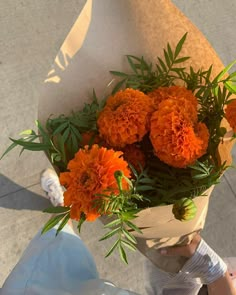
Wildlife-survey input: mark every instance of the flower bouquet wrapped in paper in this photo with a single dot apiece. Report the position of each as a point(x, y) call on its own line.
point(146, 150)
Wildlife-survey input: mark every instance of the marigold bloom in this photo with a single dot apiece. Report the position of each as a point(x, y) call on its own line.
point(126, 117)
point(91, 172)
point(176, 139)
point(173, 92)
point(181, 105)
point(230, 114)
point(135, 156)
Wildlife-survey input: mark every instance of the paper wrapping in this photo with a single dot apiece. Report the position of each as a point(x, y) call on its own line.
point(106, 31)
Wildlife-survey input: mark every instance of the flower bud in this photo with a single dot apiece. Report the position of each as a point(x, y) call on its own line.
point(184, 209)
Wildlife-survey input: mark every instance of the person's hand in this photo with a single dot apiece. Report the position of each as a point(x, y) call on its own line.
point(203, 262)
point(186, 251)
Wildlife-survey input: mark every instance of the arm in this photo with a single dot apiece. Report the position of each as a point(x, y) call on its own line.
point(223, 285)
point(204, 263)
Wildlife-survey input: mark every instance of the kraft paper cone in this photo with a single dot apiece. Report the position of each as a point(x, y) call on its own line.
point(106, 31)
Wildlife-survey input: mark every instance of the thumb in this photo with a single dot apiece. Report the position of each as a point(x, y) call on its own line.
point(186, 250)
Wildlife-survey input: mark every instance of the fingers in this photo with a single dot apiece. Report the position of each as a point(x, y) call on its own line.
point(186, 251)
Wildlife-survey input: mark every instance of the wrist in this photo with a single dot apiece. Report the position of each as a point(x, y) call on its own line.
point(205, 264)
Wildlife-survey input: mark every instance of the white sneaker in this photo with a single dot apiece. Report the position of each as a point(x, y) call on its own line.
point(51, 185)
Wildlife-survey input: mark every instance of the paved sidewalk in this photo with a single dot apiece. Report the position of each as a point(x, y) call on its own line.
point(31, 34)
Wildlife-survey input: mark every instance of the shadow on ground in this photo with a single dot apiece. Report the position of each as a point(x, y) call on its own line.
point(14, 196)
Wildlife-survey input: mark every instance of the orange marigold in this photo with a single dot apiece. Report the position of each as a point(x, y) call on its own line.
point(135, 156)
point(126, 117)
point(177, 140)
point(173, 92)
point(230, 114)
point(91, 172)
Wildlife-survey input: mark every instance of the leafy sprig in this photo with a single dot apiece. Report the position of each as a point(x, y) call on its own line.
point(62, 216)
point(121, 208)
point(145, 77)
point(62, 136)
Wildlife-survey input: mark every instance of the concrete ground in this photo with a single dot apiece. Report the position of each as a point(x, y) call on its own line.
point(31, 33)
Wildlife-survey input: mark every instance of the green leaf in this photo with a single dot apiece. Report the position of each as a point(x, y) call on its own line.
point(133, 226)
point(81, 221)
point(200, 176)
point(230, 86)
point(113, 223)
point(182, 59)
point(170, 53)
point(52, 222)
point(12, 146)
point(75, 143)
point(180, 45)
point(110, 234)
point(162, 64)
point(60, 128)
point(28, 132)
point(177, 69)
point(42, 131)
point(119, 74)
point(61, 147)
point(143, 188)
point(133, 170)
point(129, 245)
point(63, 223)
point(118, 86)
point(59, 209)
point(95, 99)
point(122, 254)
point(208, 74)
point(65, 134)
point(132, 65)
point(55, 157)
point(167, 59)
point(222, 73)
point(112, 248)
point(32, 146)
point(76, 132)
point(129, 236)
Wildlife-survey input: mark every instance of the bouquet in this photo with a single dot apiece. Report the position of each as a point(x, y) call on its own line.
point(153, 141)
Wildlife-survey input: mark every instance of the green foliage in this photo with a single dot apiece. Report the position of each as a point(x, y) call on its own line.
point(54, 221)
point(145, 77)
point(121, 209)
point(81, 221)
point(161, 184)
point(62, 137)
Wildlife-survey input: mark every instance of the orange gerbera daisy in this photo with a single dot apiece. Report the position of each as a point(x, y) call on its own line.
point(126, 117)
point(91, 172)
point(174, 92)
point(230, 114)
point(177, 140)
point(135, 156)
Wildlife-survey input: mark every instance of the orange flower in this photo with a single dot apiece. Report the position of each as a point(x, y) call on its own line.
point(230, 114)
point(134, 156)
point(174, 92)
point(126, 117)
point(177, 139)
point(91, 172)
